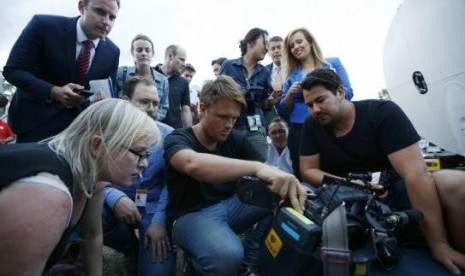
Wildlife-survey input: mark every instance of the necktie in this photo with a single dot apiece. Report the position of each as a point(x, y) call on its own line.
point(278, 79)
point(83, 61)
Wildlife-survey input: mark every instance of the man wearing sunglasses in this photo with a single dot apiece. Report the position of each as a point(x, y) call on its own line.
point(141, 206)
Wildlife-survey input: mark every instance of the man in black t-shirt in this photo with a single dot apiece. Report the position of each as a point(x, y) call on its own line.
point(204, 163)
point(375, 135)
point(179, 112)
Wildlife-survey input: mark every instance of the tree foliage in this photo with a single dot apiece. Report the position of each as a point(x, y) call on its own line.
point(384, 94)
point(6, 88)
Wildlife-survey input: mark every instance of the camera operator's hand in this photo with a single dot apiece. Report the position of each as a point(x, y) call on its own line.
point(453, 260)
point(65, 94)
point(284, 184)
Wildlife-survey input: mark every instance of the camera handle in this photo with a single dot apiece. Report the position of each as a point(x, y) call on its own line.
point(335, 253)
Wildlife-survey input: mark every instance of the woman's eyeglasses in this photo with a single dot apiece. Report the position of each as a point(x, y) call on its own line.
point(141, 156)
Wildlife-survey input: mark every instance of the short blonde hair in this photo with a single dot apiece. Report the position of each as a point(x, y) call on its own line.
point(222, 87)
point(117, 122)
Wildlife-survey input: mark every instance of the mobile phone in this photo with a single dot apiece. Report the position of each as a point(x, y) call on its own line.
point(85, 93)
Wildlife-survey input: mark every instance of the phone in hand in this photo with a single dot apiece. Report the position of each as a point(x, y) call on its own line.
point(85, 93)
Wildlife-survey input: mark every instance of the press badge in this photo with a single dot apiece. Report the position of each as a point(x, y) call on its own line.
point(141, 197)
point(254, 122)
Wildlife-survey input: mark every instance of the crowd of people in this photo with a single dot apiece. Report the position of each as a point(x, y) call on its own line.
point(155, 167)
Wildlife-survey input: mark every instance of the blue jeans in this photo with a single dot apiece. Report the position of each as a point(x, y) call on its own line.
point(210, 236)
point(122, 238)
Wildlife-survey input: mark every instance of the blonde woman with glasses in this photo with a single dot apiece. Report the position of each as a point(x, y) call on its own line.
point(48, 189)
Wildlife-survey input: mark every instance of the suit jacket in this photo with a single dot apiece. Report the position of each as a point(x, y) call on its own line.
point(269, 67)
point(45, 56)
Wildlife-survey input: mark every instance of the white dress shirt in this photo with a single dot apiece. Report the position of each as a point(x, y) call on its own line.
point(281, 161)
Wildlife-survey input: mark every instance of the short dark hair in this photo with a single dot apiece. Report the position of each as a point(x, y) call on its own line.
point(189, 67)
point(172, 49)
point(278, 119)
point(276, 39)
point(219, 61)
point(325, 77)
point(130, 84)
point(251, 37)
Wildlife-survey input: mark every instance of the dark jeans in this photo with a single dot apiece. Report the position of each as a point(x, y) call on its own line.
point(122, 238)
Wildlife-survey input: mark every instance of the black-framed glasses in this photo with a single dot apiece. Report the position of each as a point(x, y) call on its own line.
point(141, 156)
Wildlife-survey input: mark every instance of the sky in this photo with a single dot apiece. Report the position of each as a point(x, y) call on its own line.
point(353, 30)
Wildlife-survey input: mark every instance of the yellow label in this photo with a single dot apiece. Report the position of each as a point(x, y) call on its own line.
point(433, 164)
point(299, 215)
point(360, 270)
point(273, 243)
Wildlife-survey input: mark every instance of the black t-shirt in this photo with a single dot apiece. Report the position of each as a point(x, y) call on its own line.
point(380, 128)
point(187, 194)
point(28, 159)
point(179, 96)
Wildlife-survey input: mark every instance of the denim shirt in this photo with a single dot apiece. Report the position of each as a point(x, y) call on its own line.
point(161, 82)
point(299, 110)
point(258, 85)
point(153, 180)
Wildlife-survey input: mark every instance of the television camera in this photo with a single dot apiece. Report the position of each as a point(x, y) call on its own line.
point(344, 227)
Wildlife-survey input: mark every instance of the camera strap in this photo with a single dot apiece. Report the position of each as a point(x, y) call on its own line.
point(335, 253)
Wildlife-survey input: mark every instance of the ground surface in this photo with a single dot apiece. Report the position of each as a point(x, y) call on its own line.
point(112, 260)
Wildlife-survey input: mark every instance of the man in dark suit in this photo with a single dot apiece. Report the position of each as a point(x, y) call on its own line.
point(43, 66)
point(276, 76)
point(275, 53)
